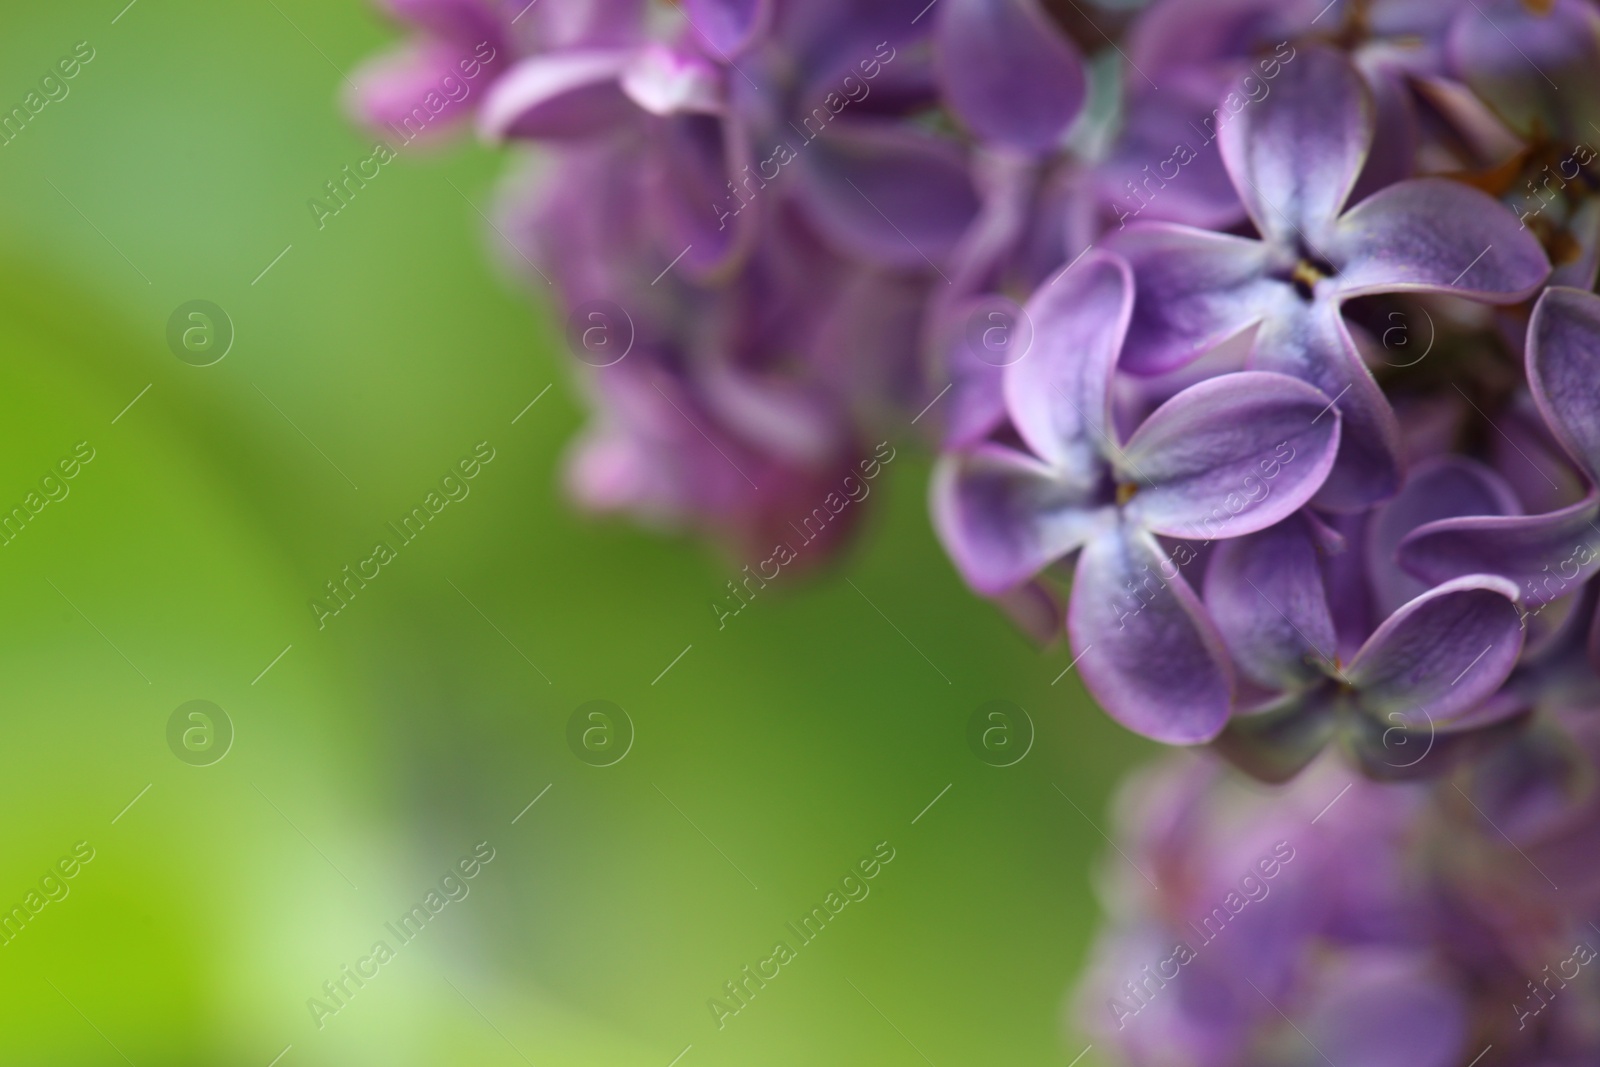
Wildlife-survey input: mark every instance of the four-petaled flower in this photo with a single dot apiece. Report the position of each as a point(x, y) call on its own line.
point(1224, 458)
point(1294, 158)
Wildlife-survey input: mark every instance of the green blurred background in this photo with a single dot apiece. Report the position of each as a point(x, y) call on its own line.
point(373, 754)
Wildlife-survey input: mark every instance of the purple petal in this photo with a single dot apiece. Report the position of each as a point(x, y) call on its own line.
point(1277, 742)
point(976, 405)
point(1003, 516)
point(1059, 392)
point(729, 25)
point(1345, 577)
point(1265, 593)
point(1018, 202)
point(1148, 652)
point(1434, 235)
point(1528, 456)
point(1230, 456)
point(1295, 150)
point(774, 415)
point(633, 457)
point(1424, 22)
point(1442, 654)
point(1196, 289)
point(1533, 782)
point(406, 90)
point(1184, 33)
point(1164, 166)
point(576, 23)
point(1394, 142)
point(832, 36)
point(1389, 1011)
point(1564, 370)
point(559, 95)
point(867, 342)
point(893, 196)
point(1008, 73)
point(1443, 488)
point(667, 81)
point(581, 227)
point(1545, 556)
point(1312, 343)
point(688, 170)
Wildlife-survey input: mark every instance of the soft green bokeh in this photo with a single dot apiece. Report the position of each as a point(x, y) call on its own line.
point(377, 751)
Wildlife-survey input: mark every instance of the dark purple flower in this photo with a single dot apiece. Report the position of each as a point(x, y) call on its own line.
point(1422, 677)
point(1547, 556)
point(1198, 49)
point(1442, 487)
point(1294, 157)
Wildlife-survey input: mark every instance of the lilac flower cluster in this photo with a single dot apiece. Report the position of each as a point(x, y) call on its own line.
point(740, 207)
point(1259, 344)
point(1337, 920)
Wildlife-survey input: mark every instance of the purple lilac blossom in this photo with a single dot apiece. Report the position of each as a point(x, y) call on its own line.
point(1549, 555)
point(801, 211)
point(1257, 346)
point(1295, 157)
point(1346, 921)
point(1005, 514)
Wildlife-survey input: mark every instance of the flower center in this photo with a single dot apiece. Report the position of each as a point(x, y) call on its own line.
point(1305, 277)
point(1126, 492)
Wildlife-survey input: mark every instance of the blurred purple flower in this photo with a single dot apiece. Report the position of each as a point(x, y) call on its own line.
point(1013, 78)
point(1335, 920)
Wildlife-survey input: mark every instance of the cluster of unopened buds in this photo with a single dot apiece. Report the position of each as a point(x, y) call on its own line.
point(1259, 344)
